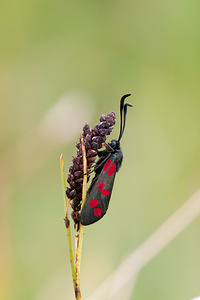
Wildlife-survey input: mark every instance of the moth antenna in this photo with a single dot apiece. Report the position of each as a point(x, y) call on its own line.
point(121, 111)
point(123, 118)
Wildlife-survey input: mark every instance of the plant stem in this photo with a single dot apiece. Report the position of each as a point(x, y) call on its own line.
point(67, 223)
point(80, 237)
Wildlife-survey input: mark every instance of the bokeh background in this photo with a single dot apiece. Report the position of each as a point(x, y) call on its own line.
point(67, 62)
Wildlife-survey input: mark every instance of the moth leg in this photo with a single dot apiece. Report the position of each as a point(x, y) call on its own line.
point(109, 147)
point(99, 163)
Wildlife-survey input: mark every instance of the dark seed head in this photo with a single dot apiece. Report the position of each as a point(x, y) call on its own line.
point(88, 138)
point(68, 192)
point(78, 174)
point(71, 169)
point(93, 139)
point(91, 159)
point(94, 132)
point(72, 194)
point(102, 118)
point(66, 222)
point(72, 184)
point(96, 139)
point(87, 145)
point(86, 129)
point(95, 145)
point(102, 131)
point(111, 121)
point(111, 114)
point(103, 125)
point(79, 180)
point(108, 131)
point(91, 152)
point(96, 128)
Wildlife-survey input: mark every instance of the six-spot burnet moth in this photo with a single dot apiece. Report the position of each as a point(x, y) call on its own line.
point(110, 160)
point(94, 139)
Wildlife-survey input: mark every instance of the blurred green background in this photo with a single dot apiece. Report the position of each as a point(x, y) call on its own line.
point(67, 62)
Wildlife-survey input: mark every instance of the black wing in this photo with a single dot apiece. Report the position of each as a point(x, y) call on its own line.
point(99, 194)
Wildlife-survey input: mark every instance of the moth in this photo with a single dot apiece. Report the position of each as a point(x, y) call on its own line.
point(108, 164)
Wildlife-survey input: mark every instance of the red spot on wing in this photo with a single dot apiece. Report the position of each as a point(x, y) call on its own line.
point(111, 169)
point(105, 193)
point(97, 211)
point(93, 202)
point(107, 165)
point(100, 186)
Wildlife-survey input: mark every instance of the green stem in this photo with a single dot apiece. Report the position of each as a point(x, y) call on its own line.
point(67, 224)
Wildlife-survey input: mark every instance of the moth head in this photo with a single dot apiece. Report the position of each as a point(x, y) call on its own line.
point(114, 144)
